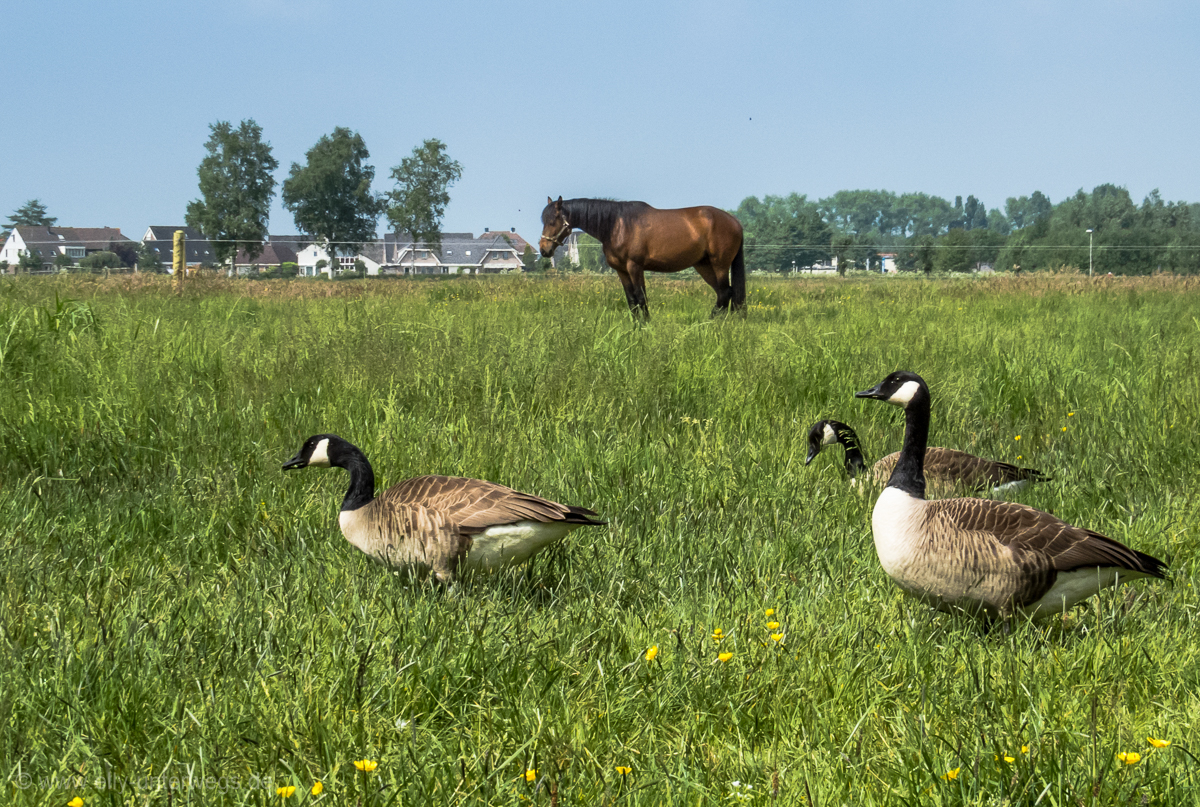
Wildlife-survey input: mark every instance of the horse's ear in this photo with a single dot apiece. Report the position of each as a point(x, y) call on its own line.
point(559, 202)
point(549, 201)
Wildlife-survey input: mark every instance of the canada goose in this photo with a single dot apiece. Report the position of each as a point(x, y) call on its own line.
point(445, 524)
point(980, 554)
point(946, 470)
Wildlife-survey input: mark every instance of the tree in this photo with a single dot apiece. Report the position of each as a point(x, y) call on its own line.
point(237, 184)
point(840, 246)
point(330, 196)
point(29, 261)
point(148, 260)
point(101, 260)
point(63, 262)
point(30, 214)
point(421, 195)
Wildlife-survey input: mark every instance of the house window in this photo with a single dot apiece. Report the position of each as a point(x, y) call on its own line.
point(75, 252)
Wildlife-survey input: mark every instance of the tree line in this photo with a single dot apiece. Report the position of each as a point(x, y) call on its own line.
point(329, 195)
point(928, 233)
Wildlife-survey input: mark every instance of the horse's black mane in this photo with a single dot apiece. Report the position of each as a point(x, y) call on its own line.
point(596, 217)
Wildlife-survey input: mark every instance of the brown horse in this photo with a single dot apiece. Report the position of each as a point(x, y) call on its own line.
point(637, 237)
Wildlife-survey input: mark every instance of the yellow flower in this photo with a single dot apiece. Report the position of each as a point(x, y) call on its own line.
point(530, 774)
point(1158, 743)
point(75, 802)
point(1130, 757)
point(285, 792)
point(770, 612)
point(624, 770)
point(1064, 428)
point(652, 652)
point(772, 626)
point(718, 634)
point(723, 657)
point(1018, 456)
point(1007, 758)
point(778, 637)
point(366, 765)
point(317, 788)
point(1018, 437)
point(1070, 414)
point(952, 774)
point(1024, 749)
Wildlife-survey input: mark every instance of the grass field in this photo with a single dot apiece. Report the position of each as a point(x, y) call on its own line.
point(182, 623)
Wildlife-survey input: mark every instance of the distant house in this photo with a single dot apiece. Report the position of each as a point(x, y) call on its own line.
point(197, 250)
point(461, 253)
point(313, 260)
point(274, 254)
point(887, 263)
point(48, 243)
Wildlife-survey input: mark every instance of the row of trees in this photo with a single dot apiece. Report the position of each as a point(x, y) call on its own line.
point(927, 233)
point(329, 195)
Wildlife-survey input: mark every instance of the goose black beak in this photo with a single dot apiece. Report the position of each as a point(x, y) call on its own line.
point(874, 392)
point(812, 454)
point(295, 462)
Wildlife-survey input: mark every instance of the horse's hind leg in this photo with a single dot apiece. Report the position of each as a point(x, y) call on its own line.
point(720, 284)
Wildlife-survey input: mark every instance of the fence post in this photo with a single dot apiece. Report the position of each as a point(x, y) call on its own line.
point(178, 260)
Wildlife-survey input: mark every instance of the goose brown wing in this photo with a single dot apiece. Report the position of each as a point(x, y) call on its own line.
point(1038, 539)
point(974, 473)
point(473, 505)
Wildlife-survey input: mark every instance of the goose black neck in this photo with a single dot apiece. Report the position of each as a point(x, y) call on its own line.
point(362, 479)
point(854, 456)
point(909, 473)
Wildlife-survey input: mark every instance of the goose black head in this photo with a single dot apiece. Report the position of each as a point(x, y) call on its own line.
point(823, 433)
point(320, 450)
point(900, 388)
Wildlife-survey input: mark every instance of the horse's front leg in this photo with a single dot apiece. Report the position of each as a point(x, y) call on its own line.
point(634, 282)
point(630, 291)
point(638, 277)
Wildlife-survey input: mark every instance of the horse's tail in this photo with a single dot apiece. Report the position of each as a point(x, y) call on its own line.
point(737, 279)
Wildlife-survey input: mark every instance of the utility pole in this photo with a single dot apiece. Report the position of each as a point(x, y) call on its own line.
point(1090, 236)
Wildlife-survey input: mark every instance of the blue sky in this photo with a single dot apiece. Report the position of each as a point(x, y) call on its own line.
point(673, 103)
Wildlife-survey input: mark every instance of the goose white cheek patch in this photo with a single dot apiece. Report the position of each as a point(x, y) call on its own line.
point(830, 436)
point(320, 455)
point(902, 396)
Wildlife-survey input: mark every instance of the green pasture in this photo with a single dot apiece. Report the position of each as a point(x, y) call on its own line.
point(181, 623)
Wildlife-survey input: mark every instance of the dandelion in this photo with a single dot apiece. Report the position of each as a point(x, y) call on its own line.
point(651, 652)
point(1070, 414)
point(1024, 749)
point(624, 770)
point(75, 802)
point(778, 637)
point(772, 626)
point(285, 792)
point(1018, 437)
point(317, 788)
point(770, 612)
point(366, 765)
point(1130, 757)
point(1064, 428)
point(718, 635)
point(1158, 743)
point(1006, 758)
point(1019, 456)
point(530, 774)
point(723, 657)
point(951, 775)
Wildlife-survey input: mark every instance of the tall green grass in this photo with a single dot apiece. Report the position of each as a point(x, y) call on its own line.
point(182, 623)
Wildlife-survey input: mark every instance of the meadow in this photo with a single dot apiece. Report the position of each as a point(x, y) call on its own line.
point(182, 623)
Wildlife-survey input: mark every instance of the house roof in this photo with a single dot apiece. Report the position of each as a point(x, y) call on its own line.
point(512, 236)
point(296, 242)
point(455, 247)
point(273, 254)
point(157, 233)
point(46, 241)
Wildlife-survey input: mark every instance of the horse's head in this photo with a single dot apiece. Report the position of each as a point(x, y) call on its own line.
point(555, 227)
